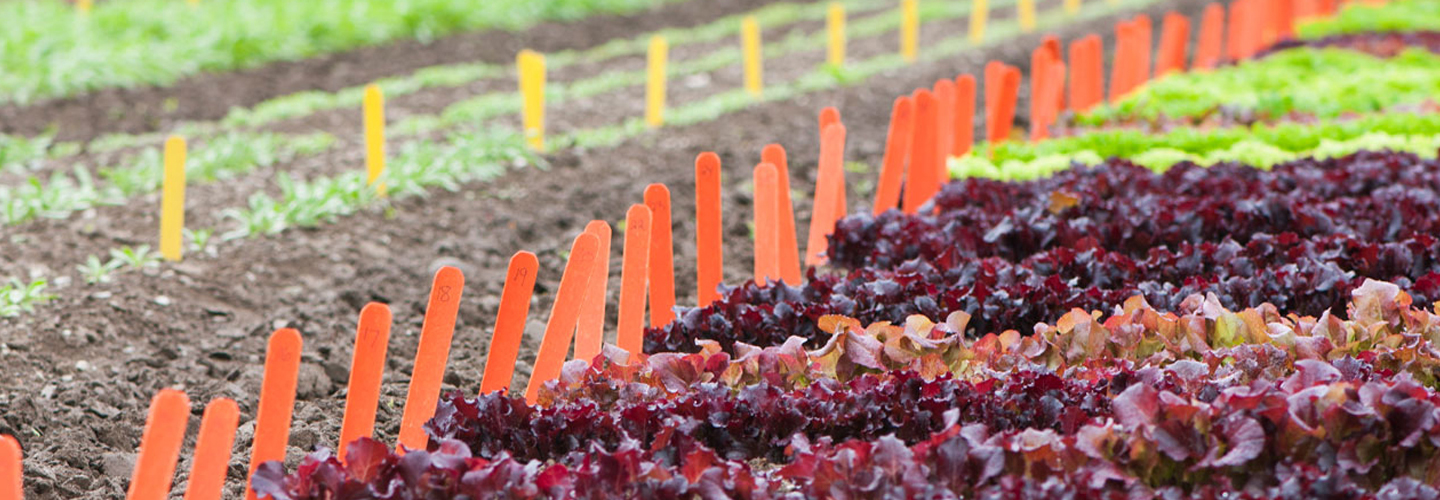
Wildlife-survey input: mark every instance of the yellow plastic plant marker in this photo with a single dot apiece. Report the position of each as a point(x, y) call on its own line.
point(750, 45)
point(835, 26)
point(1025, 11)
point(83, 6)
point(979, 15)
point(172, 199)
point(655, 87)
point(909, 29)
point(532, 90)
point(374, 136)
point(193, 3)
point(1072, 7)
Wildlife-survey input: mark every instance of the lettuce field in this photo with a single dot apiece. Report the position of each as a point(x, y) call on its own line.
point(734, 249)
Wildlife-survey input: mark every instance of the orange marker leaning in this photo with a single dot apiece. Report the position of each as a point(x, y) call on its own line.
point(1123, 70)
point(212, 450)
point(790, 269)
point(920, 180)
point(160, 446)
point(367, 369)
point(1005, 105)
point(831, 116)
point(964, 117)
point(1145, 50)
point(431, 357)
point(630, 327)
point(945, 97)
point(994, 74)
point(277, 400)
point(590, 332)
point(709, 252)
point(510, 322)
point(767, 227)
point(1040, 61)
point(564, 313)
point(662, 257)
point(1174, 38)
point(829, 181)
point(1212, 36)
point(11, 484)
point(897, 149)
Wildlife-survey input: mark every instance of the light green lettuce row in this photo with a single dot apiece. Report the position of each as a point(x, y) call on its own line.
point(1324, 82)
point(1262, 146)
point(1397, 15)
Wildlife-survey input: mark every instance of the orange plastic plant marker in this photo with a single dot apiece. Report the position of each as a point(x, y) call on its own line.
point(897, 148)
point(1052, 43)
point(277, 400)
point(1174, 40)
point(431, 357)
point(767, 227)
point(1284, 19)
point(709, 237)
point(1053, 94)
point(662, 256)
point(964, 116)
point(367, 369)
point(945, 98)
point(920, 180)
point(1086, 71)
point(12, 484)
point(994, 73)
point(510, 322)
point(831, 116)
point(564, 313)
point(1040, 61)
point(1212, 35)
point(831, 175)
point(1123, 66)
point(1005, 115)
point(212, 450)
point(631, 325)
point(789, 254)
point(160, 446)
point(590, 334)
point(1145, 50)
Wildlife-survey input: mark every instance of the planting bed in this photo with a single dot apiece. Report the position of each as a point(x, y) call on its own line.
point(1241, 307)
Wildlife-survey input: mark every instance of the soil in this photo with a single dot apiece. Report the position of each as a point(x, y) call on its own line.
point(77, 375)
point(210, 96)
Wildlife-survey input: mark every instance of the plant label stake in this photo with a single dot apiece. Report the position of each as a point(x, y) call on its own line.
point(1087, 69)
point(897, 149)
point(564, 314)
point(160, 446)
point(1122, 70)
point(790, 269)
point(431, 357)
point(829, 181)
point(1174, 37)
point(277, 400)
point(631, 324)
point(367, 370)
point(172, 199)
point(532, 90)
point(994, 74)
point(655, 84)
point(964, 118)
point(662, 256)
point(84, 6)
point(979, 15)
point(831, 116)
point(1005, 112)
point(510, 322)
point(750, 45)
point(1072, 7)
point(1145, 35)
point(590, 332)
point(212, 450)
point(709, 236)
point(767, 244)
point(909, 30)
point(1212, 35)
point(11, 476)
point(920, 181)
point(1025, 11)
point(374, 136)
point(835, 28)
point(944, 125)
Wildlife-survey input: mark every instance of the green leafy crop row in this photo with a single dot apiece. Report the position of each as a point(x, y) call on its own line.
point(1324, 82)
point(49, 50)
point(1398, 15)
point(1259, 145)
